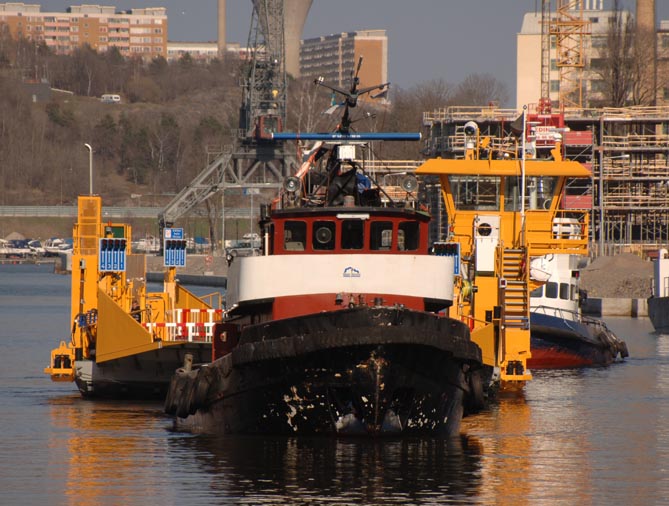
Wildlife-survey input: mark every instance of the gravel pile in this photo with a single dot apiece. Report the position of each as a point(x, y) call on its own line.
point(624, 276)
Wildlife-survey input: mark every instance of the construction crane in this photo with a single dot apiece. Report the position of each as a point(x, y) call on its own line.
point(570, 31)
point(252, 162)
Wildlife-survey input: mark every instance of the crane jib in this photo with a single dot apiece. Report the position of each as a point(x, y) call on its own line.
point(334, 136)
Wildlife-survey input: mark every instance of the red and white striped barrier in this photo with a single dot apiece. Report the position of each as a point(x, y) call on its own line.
point(196, 315)
point(192, 332)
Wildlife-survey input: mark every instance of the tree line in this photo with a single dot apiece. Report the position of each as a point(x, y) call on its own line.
point(174, 115)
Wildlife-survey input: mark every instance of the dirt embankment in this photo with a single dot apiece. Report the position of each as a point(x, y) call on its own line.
point(623, 276)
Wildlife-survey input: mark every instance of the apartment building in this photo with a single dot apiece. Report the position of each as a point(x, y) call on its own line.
point(529, 56)
point(335, 57)
point(135, 32)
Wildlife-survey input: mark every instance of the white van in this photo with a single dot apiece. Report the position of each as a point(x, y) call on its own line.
point(110, 99)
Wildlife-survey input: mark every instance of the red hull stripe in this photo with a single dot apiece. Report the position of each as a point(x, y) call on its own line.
point(300, 305)
point(552, 358)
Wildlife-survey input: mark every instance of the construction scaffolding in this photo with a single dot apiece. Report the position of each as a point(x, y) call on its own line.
point(627, 150)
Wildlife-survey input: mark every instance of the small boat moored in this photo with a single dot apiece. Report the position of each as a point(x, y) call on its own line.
point(561, 336)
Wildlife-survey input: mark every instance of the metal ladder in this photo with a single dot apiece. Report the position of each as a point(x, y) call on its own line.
point(514, 297)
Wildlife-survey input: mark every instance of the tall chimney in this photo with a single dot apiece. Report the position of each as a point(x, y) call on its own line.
point(294, 16)
point(221, 29)
point(647, 37)
point(645, 14)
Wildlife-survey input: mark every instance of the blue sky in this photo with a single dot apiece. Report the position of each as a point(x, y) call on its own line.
point(427, 39)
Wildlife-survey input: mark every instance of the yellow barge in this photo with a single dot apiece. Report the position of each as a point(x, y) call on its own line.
point(126, 341)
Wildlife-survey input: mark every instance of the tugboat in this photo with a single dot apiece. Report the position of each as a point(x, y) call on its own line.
point(561, 336)
point(125, 341)
point(338, 326)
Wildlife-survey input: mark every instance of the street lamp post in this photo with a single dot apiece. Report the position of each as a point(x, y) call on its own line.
point(90, 168)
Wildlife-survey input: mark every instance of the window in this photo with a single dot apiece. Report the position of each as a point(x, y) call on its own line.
point(665, 93)
point(555, 85)
point(408, 236)
point(294, 235)
point(381, 235)
point(352, 234)
point(475, 193)
point(538, 192)
point(552, 290)
point(537, 292)
point(599, 42)
point(324, 235)
point(564, 291)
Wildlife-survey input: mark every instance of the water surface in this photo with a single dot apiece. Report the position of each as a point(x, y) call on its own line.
point(595, 436)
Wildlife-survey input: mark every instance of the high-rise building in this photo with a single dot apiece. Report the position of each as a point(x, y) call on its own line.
point(135, 32)
point(335, 57)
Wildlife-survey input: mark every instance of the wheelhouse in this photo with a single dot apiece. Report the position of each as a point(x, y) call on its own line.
point(348, 231)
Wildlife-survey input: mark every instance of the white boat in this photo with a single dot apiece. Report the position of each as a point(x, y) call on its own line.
point(36, 248)
point(148, 244)
point(560, 335)
point(56, 245)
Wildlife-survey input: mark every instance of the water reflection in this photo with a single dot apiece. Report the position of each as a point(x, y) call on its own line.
point(106, 452)
point(319, 470)
point(596, 436)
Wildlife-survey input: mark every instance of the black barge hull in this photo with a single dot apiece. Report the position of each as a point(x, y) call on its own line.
point(355, 371)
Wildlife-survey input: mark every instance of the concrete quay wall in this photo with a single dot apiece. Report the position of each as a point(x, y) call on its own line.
point(190, 279)
point(618, 306)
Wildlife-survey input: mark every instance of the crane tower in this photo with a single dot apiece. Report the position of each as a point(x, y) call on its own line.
point(253, 163)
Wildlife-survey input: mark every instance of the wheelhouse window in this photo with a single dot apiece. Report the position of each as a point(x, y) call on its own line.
point(324, 235)
point(294, 235)
point(564, 291)
point(475, 192)
point(537, 292)
point(352, 234)
point(381, 235)
point(552, 290)
point(538, 192)
point(408, 236)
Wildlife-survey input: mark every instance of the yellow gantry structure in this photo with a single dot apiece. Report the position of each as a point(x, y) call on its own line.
point(113, 316)
point(503, 211)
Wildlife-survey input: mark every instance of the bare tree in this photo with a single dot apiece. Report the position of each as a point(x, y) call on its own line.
point(626, 63)
point(480, 89)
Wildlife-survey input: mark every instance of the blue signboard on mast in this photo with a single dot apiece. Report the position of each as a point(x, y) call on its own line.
point(111, 254)
point(174, 247)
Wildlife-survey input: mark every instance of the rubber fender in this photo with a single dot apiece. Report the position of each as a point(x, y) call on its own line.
point(183, 397)
point(475, 398)
point(175, 392)
point(170, 406)
point(201, 388)
point(189, 395)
